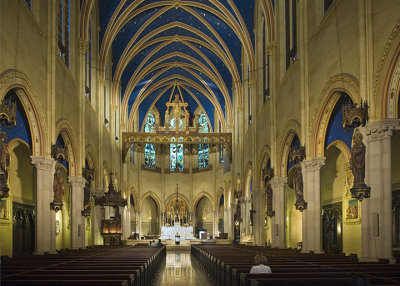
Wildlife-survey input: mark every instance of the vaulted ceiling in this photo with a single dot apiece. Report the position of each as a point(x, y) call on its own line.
point(160, 48)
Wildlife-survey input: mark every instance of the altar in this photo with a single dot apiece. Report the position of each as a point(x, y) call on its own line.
point(169, 232)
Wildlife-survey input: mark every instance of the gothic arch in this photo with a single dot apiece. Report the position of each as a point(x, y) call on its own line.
point(180, 195)
point(262, 163)
point(220, 192)
point(200, 196)
point(154, 197)
point(247, 179)
point(292, 128)
point(64, 128)
point(14, 79)
point(390, 95)
point(92, 162)
point(265, 7)
point(327, 101)
point(342, 147)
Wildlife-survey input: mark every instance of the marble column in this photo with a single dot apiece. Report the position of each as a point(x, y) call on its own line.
point(278, 221)
point(377, 242)
point(258, 217)
point(243, 211)
point(96, 225)
point(311, 217)
point(125, 223)
point(77, 220)
point(45, 219)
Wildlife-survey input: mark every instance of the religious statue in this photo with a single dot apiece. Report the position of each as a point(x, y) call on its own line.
point(4, 164)
point(58, 188)
point(357, 165)
point(357, 159)
point(268, 191)
point(298, 189)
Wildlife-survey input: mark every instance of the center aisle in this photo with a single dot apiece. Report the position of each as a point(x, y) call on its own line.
point(180, 270)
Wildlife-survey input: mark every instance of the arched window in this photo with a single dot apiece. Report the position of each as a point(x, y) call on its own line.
point(149, 149)
point(265, 58)
point(204, 150)
point(63, 30)
point(88, 66)
point(290, 32)
point(176, 155)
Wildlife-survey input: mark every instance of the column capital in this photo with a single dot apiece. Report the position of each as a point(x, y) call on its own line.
point(278, 182)
point(77, 181)
point(382, 129)
point(83, 44)
point(313, 164)
point(43, 163)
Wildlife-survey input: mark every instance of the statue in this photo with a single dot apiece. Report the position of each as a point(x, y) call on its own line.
point(268, 191)
point(4, 164)
point(357, 159)
point(357, 166)
point(298, 188)
point(58, 188)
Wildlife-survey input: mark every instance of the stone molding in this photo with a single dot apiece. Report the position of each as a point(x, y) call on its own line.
point(77, 182)
point(43, 163)
point(313, 164)
point(271, 47)
point(278, 182)
point(379, 130)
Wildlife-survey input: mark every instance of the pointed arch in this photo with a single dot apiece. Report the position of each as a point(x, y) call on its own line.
point(333, 89)
point(292, 129)
point(200, 196)
point(18, 81)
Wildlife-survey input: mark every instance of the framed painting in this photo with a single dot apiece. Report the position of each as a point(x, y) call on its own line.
point(353, 211)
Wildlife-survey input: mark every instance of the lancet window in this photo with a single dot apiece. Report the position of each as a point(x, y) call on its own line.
point(149, 149)
point(63, 30)
point(204, 149)
point(176, 156)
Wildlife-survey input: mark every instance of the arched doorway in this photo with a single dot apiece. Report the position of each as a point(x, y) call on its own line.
point(150, 217)
point(204, 216)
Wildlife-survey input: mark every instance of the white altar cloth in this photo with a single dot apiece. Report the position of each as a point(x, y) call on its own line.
point(169, 232)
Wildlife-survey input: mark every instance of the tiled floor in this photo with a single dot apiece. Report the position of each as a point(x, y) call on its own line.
point(180, 270)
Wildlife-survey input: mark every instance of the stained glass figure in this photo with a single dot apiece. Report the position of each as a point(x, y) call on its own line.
point(176, 155)
point(149, 148)
point(204, 150)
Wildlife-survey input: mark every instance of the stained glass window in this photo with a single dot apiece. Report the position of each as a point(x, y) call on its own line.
point(149, 148)
point(28, 3)
point(176, 155)
point(204, 150)
point(63, 30)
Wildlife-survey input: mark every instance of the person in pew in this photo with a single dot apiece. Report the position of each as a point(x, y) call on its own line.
point(260, 267)
point(159, 243)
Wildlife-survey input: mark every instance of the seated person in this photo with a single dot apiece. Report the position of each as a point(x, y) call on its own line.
point(260, 267)
point(159, 243)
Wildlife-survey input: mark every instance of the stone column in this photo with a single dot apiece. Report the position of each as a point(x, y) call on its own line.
point(96, 225)
point(243, 211)
point(231, 232)
point(215, 223)
point(228, 220)
point(377, 242)
point(311, 217)
point(125, 222)
point(258, 217)
point(138, 223)
point(278, 221)
point(45, 219)
point(77, 220)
